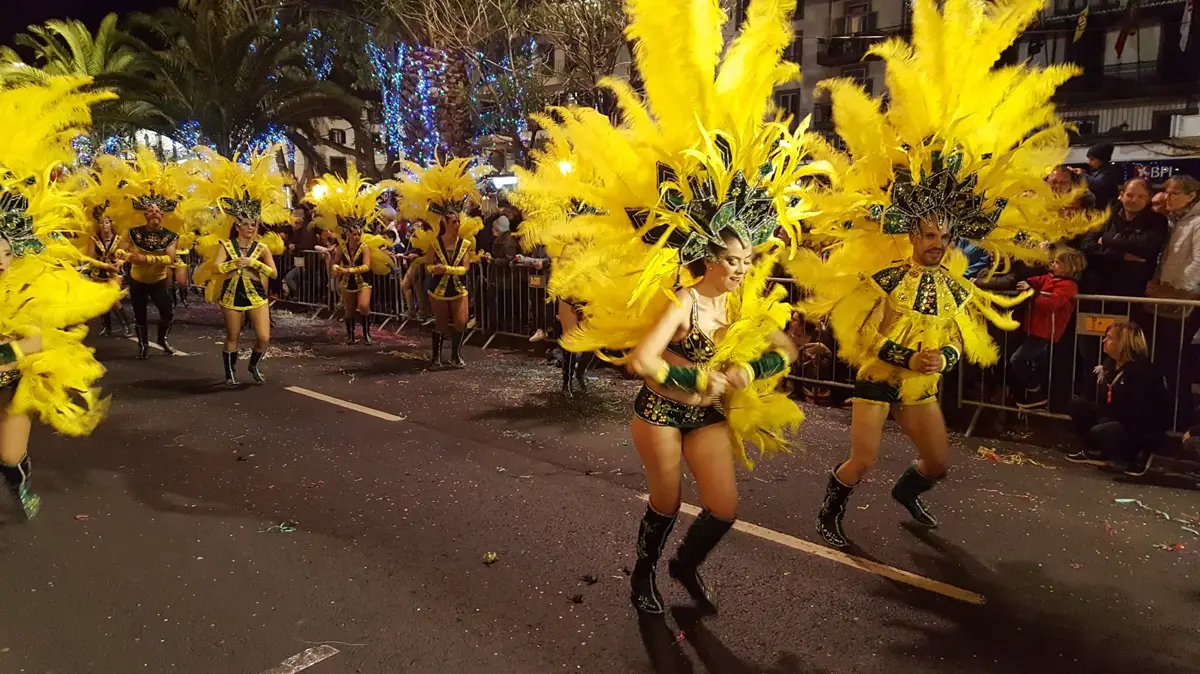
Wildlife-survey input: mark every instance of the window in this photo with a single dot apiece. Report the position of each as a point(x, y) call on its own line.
point(795, 51)
point(338, 167)
point(337, 136)
point(1084, 126)
point(739, 12)
point(789, 104)
point(859, 74)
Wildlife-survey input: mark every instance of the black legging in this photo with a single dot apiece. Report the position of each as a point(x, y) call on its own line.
point(141, 294)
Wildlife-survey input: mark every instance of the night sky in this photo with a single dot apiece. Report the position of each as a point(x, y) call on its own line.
point(20, 13)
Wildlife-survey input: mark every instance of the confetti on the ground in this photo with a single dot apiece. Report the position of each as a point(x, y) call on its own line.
point(680, 636)
point(281, 528)
point(1186, 522)
point(1171, 547)
point(82, 518)
point(490, 558)
point(1025, 496)
point(1108, 528)
point(1012, 459)
point(1076, 566)
point(407, 355)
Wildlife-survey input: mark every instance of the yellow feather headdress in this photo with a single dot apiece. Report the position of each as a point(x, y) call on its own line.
point(144, 181)
point(429, 193)
point(254, 189)
point(959, 143)
point(348, 204)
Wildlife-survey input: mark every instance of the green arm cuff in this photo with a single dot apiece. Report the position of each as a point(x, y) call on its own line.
point(952, 356)
point(9, 353)
point(769, 365)
point(685, 378)
point(896, 354)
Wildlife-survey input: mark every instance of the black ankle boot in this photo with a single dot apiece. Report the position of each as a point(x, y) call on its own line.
point(105, 325)
point(366, 328)
point(435, 359)
point(164, 329)
point(17, 478)
point(568, 372)
point(255, 358)
point(351, 336)
point(701, 538)
point(652, 537)
point(456, 342)
point(230, 359)
point(829, 521)
point(143, 337)
point(908, 489)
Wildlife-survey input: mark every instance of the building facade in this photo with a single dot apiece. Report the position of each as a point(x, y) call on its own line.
point(1139, 89)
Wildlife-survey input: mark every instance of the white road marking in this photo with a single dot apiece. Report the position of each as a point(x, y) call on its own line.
point(345, 404)
point(155, 346)
point(303, 660)
point(859, 563)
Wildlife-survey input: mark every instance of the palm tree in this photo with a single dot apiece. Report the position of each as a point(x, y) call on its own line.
point(228, 83)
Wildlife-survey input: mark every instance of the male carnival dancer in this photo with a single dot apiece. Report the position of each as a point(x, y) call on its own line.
point(152, 258)
point(961, 151)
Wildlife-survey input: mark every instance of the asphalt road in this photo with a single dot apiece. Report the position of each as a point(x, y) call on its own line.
point(159, 547)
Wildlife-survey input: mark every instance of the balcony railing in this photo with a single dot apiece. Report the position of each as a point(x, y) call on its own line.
point(1142, 79)
point(844, 47)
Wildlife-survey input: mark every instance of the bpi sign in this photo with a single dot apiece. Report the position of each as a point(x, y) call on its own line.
point(1158, 171)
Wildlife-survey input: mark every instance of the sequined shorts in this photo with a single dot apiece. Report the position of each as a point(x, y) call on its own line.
point(659, 410)
point(886, 394)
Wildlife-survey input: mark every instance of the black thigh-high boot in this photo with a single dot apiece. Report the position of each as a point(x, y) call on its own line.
point(351, 336)
point(143, 337)
point(366, 328)
point(652, 538)
point(833, 510)
point(908, 489)
point(435, 358)
point(17, 478)
point(255, 358)
point(125, 325)
point(230, 359)
point(105, 325)
point(456, 343)
point(582, 362)
point(164, 329)
point(701, 538)
point(568, 373)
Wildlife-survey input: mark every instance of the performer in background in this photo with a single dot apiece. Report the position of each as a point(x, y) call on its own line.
point(105, 262)
point(348, 209)
point(917, 177)
point(662, 231)
point(439, 196)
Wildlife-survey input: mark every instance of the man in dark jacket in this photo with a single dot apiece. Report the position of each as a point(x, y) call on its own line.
point(1103, 177)
point(1122, 257)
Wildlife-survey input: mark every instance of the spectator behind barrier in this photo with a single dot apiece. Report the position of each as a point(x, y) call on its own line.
point(1121, 258)
point(1049, 315)
point(301, 238)
point(1124, 430)
point(979, 261)
point(1178, 277)
point(1102, 176)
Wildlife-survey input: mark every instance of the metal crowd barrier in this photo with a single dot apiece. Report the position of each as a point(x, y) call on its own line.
point(505, 298)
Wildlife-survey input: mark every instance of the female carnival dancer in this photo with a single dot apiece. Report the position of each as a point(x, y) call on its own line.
point(238, 255)
point(671, 221)
point(144, 210)
point(103, 256)
point(961, 150)
point(348, 208)
point(439, 195)
point(45, 370)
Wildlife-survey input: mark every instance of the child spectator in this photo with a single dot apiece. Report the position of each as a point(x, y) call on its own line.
point(1049, 313)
